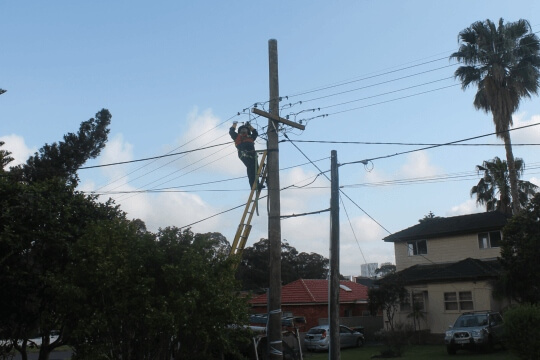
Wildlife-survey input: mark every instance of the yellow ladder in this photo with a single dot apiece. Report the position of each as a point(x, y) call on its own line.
point(242, 233)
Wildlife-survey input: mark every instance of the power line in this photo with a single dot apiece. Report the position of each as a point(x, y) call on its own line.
point(151, 158)
point(365, 161)
point(341, 191)
point(363, 78)
point(398, 143)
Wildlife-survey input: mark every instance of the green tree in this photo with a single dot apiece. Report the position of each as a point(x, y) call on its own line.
point(387, 297)
point(520, 253)
point(63, 159)
point(493, 189)
point(253, 269)
point(521, 325)
point(428, 217)
point(5, 157)
point(312, 266)
point(384, 270)
point(39, 225)
point(504, 63)
point(42, 217)
point(202, 295)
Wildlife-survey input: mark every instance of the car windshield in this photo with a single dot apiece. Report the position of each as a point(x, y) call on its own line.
point(316, 331)
point(471, 321)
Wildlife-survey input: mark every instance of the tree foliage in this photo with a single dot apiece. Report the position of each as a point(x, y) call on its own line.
point(253, 270)
point(5, 157)
point(428, 217)
point(63, 159)
point(384, 270)
point(493, 189)
point(503, 61)
point(520, 254)
point(521, 325)
point(387, 297)
point(111, 288)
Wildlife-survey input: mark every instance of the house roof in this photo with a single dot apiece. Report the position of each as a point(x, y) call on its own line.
point(304, 291)
point(467, 269)
point(449, 226)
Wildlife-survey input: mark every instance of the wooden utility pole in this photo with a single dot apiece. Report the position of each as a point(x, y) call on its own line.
point(333, 290)
point(275, 338)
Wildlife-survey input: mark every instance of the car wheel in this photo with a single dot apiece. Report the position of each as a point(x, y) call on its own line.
point(451, 350)
point(359, 343)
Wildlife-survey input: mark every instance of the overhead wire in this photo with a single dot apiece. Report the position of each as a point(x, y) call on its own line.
point(265, 102)
point(364, 161)
point(356, 80)
point(343, 204)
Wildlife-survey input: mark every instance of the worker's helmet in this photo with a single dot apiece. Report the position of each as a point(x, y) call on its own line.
point(243, 127)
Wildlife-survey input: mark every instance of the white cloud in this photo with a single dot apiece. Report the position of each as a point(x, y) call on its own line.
point(418, 165)
point(527, 135)
point(116, 150)
point(467, 207)
point(20, 152)
point(202, 132)
point(170, 209)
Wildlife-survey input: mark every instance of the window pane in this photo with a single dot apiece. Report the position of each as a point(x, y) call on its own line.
point(483, 240)
point(418, 299)
point(422, 247)
point(495, 238)
point(466, 305)
point(450, 301)
point(465, 295)
point(411, 248)
point(450, 296)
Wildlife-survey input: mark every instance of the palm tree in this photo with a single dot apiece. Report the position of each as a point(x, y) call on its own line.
point(493, 189)
point(504, 62)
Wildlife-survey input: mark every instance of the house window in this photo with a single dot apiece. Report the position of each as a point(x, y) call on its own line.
point(405, 303)
point(348, 312)
point(416, 298)
point(417, 247)
point(461, 300)
point(489, 240)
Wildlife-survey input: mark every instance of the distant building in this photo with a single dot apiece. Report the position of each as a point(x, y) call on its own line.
point(368, 270)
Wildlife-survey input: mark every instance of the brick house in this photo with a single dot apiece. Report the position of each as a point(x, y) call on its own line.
point(449, 266)
point(309, 298)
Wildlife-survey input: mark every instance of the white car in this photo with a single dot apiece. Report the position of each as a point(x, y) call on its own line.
point(318, 338)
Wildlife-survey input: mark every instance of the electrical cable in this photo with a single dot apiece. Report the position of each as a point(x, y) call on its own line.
point(365, 161)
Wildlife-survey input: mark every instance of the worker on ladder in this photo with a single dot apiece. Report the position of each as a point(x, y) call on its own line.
point(244, 141)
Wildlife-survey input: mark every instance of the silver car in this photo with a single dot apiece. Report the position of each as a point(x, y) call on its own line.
point(318, 338)
point(473, 330)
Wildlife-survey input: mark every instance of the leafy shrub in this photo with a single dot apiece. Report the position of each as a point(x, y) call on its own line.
point(395, 340)
point(521, 326)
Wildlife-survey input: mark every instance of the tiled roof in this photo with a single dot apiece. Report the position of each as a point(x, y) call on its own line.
point(467, 269)
point(455, 225)
point(304, 291)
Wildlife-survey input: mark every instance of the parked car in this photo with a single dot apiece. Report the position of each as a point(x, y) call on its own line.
point(318, 338)
point(475, 330)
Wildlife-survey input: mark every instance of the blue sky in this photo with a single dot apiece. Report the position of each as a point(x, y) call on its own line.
point(175, 74)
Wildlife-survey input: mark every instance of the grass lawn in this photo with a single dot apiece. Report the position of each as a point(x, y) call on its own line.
point(423, 352)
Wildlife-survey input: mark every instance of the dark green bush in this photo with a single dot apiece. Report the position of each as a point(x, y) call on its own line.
point(522, 324)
